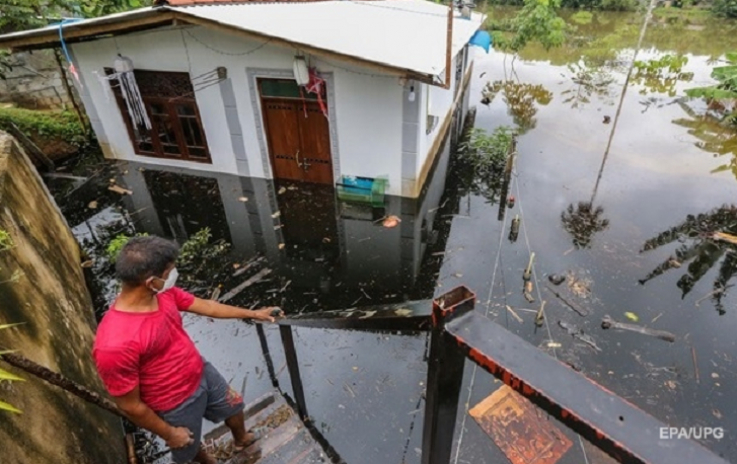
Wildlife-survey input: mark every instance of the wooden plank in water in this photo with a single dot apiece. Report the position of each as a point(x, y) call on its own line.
point(519, 429)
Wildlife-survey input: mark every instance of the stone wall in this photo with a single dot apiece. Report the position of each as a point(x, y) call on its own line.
point(35, 82)
point(42, 286)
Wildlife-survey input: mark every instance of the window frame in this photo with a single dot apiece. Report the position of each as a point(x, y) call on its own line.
point(170, 105)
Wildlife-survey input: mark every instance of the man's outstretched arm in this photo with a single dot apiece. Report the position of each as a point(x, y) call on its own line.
point(140, 414)
point(217, 310)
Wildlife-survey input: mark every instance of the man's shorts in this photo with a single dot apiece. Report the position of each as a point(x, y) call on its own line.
point(214, 400)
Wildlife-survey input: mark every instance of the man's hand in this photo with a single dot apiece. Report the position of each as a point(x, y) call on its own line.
point(179, 437)
point(217, 310)
point(268, 314)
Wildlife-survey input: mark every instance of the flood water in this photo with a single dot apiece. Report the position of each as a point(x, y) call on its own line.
point(621, 200)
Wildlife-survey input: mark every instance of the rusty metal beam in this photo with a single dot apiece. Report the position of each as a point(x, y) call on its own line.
point(610, 423)
point(444, 377)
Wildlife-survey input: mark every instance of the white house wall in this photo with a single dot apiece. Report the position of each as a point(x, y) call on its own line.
point(440, 103)
point(368, 105)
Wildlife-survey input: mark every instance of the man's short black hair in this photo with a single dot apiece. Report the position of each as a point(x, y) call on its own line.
point(143, 257)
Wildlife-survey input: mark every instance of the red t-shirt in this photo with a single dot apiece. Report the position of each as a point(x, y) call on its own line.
point(150, 350)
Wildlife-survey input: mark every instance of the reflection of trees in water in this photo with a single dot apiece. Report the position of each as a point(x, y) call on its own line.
point(482, 162)
point(714, 136)
point(660, 75)
point(582, 222)
point(521, 99)
point(700, 251)
point(588, 82)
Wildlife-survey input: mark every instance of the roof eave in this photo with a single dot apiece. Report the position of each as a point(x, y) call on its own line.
point(48, 37)
point(164, 15)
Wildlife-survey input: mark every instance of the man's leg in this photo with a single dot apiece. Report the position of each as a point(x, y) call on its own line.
point(238, 429)
point(225, 404)
point(204, 458)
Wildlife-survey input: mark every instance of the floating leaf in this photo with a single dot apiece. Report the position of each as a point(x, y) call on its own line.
point(631, 316)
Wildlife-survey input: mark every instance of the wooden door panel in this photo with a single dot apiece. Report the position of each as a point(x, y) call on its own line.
point(282, 131)
point(314, 133)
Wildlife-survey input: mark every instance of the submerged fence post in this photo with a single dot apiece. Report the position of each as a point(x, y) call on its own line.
point(293, 365)
point(444, 377)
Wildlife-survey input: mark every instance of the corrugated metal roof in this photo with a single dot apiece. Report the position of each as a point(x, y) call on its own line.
point(406, 34)
point(401, 34)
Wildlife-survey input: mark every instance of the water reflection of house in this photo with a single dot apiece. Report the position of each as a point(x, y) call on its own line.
point(308, 235)
point(218, 88)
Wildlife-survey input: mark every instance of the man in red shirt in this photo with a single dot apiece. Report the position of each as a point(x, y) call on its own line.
point(149, 364)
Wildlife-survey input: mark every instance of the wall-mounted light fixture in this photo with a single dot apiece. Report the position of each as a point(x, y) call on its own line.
point(411, 97)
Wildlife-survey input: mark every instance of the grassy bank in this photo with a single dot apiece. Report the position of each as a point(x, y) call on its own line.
point(57, 133)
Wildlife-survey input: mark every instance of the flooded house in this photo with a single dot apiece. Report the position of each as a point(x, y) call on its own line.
point(321, 92)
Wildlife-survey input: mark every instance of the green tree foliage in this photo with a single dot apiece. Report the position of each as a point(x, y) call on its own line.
point(613, 5)
point(726, 8)
point(537, 21)
point(17, 15)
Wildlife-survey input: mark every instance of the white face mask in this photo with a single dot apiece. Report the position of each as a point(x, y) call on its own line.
point(169, 282)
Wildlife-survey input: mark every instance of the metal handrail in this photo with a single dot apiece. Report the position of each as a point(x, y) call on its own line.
point(624, 432)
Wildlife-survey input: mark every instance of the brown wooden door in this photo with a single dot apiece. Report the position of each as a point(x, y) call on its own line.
point(297, 132)
point(282, 133)
point(315, 142)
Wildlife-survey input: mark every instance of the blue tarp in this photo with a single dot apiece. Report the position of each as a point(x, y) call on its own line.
point(481, 39)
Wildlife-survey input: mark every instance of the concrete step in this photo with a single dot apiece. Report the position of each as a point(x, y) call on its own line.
point(284, 438)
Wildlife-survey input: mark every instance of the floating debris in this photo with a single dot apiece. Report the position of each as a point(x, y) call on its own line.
point(556, 279)
point(527, 274)
point(516, 316)
point(579, 311)
point(695, 365)
point(250, 281)
point(281, 190)
point(243, 199)
point(514, 229)
point(725, 237)
point(609, 323)
point(390, 221)
point(631, 316)
point(276, 215)
point(120, 190)
point(92, 204)
point(540, 316)
point(577, 333)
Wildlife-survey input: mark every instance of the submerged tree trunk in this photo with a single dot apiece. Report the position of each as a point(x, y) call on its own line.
point(62, 382)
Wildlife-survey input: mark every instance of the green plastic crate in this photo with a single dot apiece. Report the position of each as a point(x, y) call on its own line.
point(362, 190)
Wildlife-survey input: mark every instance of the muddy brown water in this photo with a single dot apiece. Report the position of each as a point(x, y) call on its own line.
point(628, 225)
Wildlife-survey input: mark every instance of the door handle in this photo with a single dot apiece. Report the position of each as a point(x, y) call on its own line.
point(296, 157)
